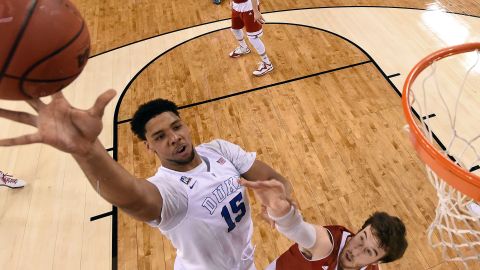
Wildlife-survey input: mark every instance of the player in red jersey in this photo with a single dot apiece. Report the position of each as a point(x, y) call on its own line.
point(381, 239)
point(246, 13)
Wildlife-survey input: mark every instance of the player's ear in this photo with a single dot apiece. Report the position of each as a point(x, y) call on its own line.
point(149, 148)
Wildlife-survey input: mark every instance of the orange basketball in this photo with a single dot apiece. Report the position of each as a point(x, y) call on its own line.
point(44, 45)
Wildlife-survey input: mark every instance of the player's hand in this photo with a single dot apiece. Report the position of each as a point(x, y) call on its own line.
point(265, 217)
point(60, 125)
point(257, 16)
point(271, 193)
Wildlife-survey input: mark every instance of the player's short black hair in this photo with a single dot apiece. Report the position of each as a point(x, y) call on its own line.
point(148, 111)
point(391, 233)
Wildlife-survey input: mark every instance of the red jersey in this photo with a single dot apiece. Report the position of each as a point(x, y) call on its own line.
point(294, 259)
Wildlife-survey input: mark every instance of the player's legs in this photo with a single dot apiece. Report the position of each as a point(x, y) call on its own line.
point(254, 32)
point(265, 65)
point(237, 25)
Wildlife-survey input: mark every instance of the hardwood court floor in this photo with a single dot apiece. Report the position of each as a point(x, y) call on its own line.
point(113, 24)
point(181, 74)
point(336, 135)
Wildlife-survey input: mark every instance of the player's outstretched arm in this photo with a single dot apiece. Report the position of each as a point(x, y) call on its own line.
point(270, 193)
point(261, 171)
point(314, 240)
point(76, 131)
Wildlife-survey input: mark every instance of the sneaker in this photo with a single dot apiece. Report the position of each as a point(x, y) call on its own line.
point(9, 181)
point(239, 51)
point(217, 2)
point(263, 68)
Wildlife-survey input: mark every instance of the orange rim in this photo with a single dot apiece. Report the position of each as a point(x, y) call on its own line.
point(459, 178)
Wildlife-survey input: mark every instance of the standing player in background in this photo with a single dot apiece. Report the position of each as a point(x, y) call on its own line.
point(194, 198)
point(381, 239)
point(246, 13)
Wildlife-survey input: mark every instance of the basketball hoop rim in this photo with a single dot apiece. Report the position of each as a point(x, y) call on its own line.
point(461, 179)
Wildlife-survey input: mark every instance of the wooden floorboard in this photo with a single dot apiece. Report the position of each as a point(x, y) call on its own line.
point(181, 74)
point(114, 23)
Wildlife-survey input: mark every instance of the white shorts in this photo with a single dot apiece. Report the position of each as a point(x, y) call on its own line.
point(272, 266)
point(246, 262)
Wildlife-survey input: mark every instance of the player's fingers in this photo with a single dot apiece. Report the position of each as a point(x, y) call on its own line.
point(102, 101)
point(271, 183)
point(21, 117)
point(243, 182)
point(292, 202)
point(21, 140)
point(271, 222)
point(258, 185)
point(265, 217)
point(58, 95)
point(261, 19)
point(250, 184)
point(36, 104)
point(274, 182)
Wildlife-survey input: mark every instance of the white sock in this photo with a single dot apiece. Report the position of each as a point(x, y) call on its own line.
point(238, 33)
point(260, 48)
point(265, 58)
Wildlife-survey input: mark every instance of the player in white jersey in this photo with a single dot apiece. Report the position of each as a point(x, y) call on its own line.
point(194, 198)
point(246, 13)
point(206, 213)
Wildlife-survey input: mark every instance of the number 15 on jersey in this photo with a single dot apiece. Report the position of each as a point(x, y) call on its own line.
point(238, 210)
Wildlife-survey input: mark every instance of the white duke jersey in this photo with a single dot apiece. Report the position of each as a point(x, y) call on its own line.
point(206, 213)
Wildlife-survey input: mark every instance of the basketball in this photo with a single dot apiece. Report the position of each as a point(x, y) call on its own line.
point(45, 45)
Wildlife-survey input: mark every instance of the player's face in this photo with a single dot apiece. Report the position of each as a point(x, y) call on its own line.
point(170, 139)
point(361, 250)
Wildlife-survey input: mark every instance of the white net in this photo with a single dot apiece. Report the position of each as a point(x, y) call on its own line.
point(446, 100)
